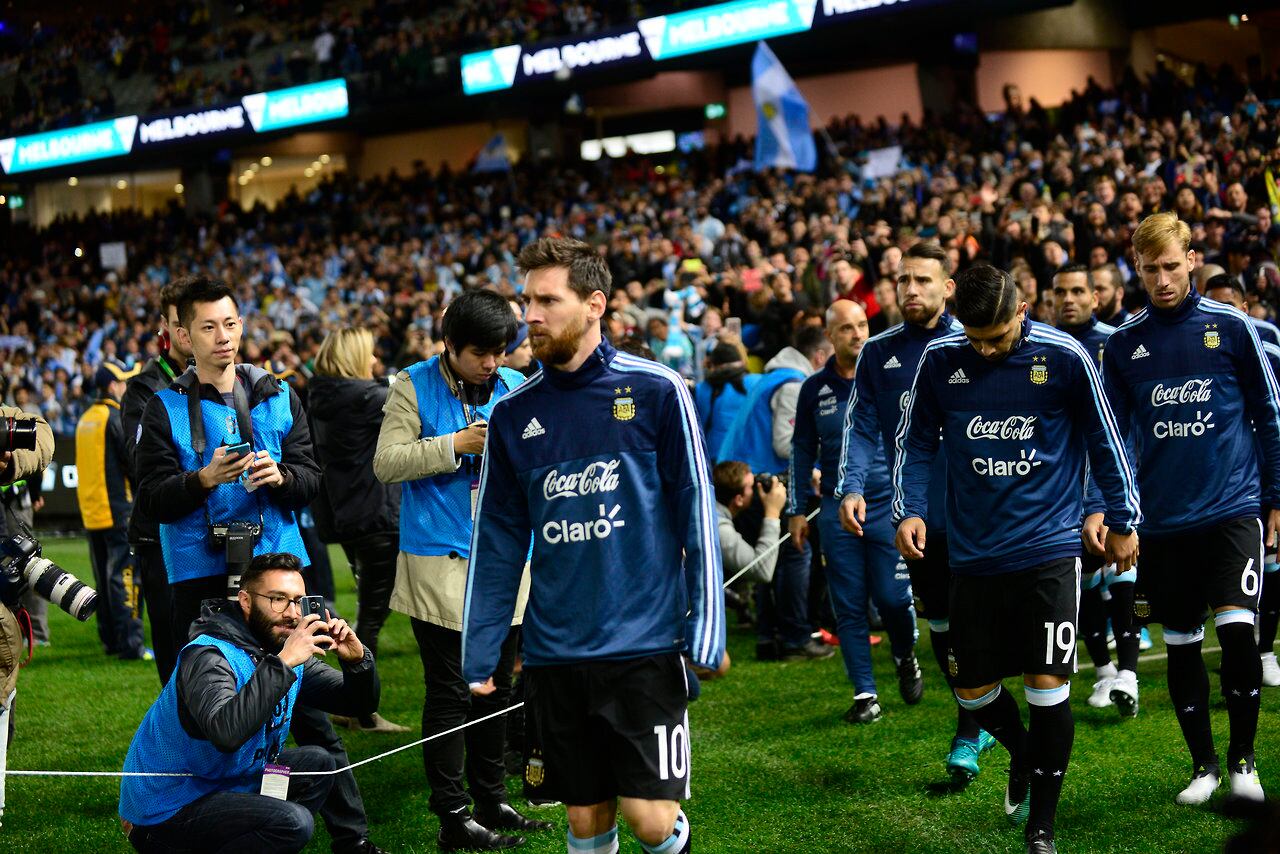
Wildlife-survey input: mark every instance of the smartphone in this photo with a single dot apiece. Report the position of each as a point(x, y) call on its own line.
point(238, 450)
point(734, 326)
point(311, 605)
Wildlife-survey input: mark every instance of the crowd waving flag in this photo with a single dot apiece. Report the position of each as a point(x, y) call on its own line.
point(783, 138)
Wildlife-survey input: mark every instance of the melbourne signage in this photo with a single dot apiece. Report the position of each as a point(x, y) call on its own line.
point(97, 141)
point(259, 113)
point(668, 36)
point(201, 123)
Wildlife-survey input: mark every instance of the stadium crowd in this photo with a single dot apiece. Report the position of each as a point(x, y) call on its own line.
point(718, 270)
point(691, 239)
point(65, 73)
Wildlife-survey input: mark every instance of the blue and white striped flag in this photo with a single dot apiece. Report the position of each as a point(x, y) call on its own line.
point(783, 138)
point(494, 157)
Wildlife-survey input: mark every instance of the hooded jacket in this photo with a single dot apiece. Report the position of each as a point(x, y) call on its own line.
point(346, 416)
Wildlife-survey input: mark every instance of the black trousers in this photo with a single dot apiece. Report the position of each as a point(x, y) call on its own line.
point(148, 563)
point(241, 822)
point(343, 807)
point(477, 750)
point(119, 593)
point(373, 562)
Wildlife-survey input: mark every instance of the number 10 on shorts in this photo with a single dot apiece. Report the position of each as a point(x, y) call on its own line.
point(1061, 635)
point(673, 751)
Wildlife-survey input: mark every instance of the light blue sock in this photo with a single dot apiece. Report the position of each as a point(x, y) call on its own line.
point(605, 843)
point(677, 842)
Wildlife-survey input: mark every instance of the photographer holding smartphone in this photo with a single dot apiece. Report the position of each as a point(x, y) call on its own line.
point(207, 445)
point(224, 717)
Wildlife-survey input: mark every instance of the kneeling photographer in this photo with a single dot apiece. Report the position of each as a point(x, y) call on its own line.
point(224, 716)
point(28, 447)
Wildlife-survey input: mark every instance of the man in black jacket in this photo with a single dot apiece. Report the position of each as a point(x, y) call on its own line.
point(224, 718)
point(190, 489)
point(144, 531)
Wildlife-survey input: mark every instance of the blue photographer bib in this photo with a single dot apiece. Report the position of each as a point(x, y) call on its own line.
point(162, 745)
point(435, 512)
point(188, 552)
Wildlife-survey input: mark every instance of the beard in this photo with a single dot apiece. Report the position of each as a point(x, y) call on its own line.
point(556, 350)
point(919, 313)
point(262, 624)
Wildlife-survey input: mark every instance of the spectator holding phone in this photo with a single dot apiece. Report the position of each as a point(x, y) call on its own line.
point(434, 427)
point(224, 716)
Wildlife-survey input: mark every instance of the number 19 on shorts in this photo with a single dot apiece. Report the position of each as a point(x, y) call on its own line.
point(673, 751)
point(1060, 639)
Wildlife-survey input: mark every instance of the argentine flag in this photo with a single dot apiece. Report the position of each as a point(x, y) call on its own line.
point(494, 156)
point(783, 138)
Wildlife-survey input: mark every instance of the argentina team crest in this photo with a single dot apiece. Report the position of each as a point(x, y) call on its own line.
point(535, 771)
point(624, 408)
point(1211, 339)
point(1039, 370)
point(1141, 607)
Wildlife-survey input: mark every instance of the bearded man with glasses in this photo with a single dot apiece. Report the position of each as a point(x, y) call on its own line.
point(219, 726)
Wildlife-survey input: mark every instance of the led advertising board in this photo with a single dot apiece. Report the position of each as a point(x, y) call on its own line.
point(259, 113)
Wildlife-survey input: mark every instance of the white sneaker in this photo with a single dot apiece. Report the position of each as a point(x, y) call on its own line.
point(1124, 693)
point(1101, 696)
point(1201, 787)
point(1245, 783)
point(1270, 670)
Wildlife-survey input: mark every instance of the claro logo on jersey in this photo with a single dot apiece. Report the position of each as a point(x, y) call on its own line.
point(1016, 427)
point(1191, 391)
point(596, 477)
point(1202, 424)
point(568, 531)
point(1021, 467)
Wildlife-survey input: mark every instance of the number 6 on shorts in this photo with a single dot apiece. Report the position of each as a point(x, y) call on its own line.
point(1250, 580)
point(1064, 635)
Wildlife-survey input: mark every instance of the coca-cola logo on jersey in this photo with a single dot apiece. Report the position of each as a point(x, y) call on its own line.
point(1192, 391)
point(1016, 427)
point(596, 477)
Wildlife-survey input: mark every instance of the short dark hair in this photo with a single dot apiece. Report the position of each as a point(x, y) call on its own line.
point(480, 319)
point(1076, 268)
point(588, 272)
point(171, 295)
point(269, 562)
point(930, 250)
point(985, 296)
point(635, 345)
point(201, 289)
point(726, 478)
point(810, 339)
point(1225, 280)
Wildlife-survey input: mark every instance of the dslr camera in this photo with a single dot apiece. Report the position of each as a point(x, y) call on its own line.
point(238, 538)
point(765, 481)
point(17, 434)
point(21, 566)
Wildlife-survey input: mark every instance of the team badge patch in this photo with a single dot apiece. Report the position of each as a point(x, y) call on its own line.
point(1211, 339)
point(1039, 370)
point(952, 667)
point(624, 408)
point(534, 771)
point(1141, 608)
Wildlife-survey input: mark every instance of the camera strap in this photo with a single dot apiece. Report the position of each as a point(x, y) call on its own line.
point(239, 397)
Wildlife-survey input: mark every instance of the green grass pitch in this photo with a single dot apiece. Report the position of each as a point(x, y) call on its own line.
point(774, 768)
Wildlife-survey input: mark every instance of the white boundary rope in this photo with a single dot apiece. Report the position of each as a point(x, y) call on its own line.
point(1154, 657)
point(773, 548)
